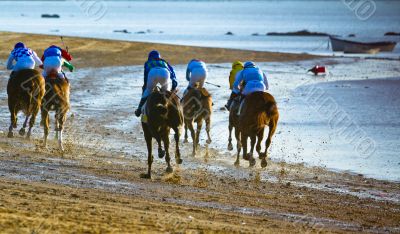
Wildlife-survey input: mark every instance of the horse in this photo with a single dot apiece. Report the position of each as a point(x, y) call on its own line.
point(55, 99)
point(259, 110)
point(234, 123)
point(25, 90)
point(162, 112)
point(197, 106)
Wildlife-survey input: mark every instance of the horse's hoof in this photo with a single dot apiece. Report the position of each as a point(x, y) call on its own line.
point(10, 135)
point(230, 147)
point(185, 141)
point(178, 161)
point(252, 162)
point(247, 156)
point(22, 131)
point(161, 153)
point(145, 176)
point(236, 163)
point(169, 170)
point(264, 163)
point(208, 141)
point(28, 136)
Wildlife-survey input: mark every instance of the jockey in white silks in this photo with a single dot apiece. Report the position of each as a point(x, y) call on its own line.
point(196, 72)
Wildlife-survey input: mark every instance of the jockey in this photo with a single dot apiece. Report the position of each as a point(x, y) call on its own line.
point(54, 58)
point(250, 79)
point(156, 71)
point(236, 67)
point(24, 57)
point(196, 72)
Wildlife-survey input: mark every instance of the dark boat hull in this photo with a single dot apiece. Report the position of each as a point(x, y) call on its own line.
point(361, 47)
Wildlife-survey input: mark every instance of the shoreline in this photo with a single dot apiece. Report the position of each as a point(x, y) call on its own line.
point(87, 51)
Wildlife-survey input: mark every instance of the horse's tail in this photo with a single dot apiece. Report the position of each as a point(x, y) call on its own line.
point(30, 85)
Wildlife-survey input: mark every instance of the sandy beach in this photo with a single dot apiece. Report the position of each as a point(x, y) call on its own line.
point(95, 187)
point(104, 53)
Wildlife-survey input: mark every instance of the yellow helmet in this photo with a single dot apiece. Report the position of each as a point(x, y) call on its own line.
point(237, 64)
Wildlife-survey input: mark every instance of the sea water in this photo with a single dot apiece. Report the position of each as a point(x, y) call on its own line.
point(205, 23)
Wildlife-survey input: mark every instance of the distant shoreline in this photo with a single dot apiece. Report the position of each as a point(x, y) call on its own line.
point(93, 52)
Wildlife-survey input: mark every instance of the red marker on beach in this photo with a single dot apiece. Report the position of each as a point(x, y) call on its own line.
point(317, 69)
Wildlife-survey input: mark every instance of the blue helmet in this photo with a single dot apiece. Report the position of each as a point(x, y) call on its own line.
point(249, 64)
point(19, 45)
point(154, 54)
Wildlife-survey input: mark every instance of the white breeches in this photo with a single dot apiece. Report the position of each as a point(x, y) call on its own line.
point(157, 75)
point(52, 63)
point(198, 75)
point(24, 63)
point(253, 86)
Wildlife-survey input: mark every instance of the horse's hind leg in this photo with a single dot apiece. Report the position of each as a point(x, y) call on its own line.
point(45, 122)
point(230, 146)
point(177, 152)
point(56, 125)
point(161, 152)
point(22, 130)
point(198, 130)
point(271, 131)
point(32, 121)
point(208, 128)
point(13, 124)
point(238, 146)
point(252, 161)
point(167, 157)
point(60, 121)
point(148, 139)
point(244, 145)
point(186, 135)
point(260, 136)
point(193, 134)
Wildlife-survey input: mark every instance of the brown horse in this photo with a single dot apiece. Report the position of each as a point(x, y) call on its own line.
point(197, 106)
point(234, 123)
point(55, 99)
point(162, 112)
point(25, 91)
point(259, 109)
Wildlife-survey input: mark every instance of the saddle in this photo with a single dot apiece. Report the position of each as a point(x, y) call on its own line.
point(205, 93)
point(56, 80)
point(53, 78)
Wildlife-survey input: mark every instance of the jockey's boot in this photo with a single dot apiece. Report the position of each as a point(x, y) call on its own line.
point(138, 111)
point(187, 90)
point(229, 103)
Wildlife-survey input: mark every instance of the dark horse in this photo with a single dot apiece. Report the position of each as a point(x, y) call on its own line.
point(234, 123)
point(25, 91)
point(162, 112)
point(259, 110)
point(55, 99)
point(197, 106)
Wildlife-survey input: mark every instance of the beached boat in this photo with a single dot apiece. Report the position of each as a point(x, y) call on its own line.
point(348, 46)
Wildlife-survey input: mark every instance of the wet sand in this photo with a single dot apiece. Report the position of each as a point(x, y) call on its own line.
point(95, 185)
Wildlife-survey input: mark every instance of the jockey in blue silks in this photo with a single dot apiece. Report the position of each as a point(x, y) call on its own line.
point(24, 58)
point(250, 79)
point(156, 71)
